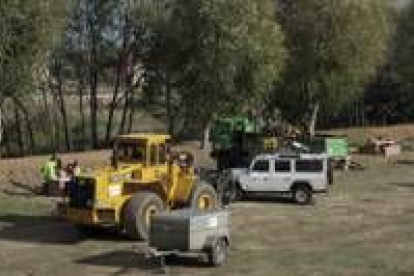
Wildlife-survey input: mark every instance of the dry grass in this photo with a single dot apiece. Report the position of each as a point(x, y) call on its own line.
point(359, 135)
point(26, 170)
point(363, 227)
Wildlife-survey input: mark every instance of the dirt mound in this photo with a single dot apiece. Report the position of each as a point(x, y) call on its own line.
point(25, 171)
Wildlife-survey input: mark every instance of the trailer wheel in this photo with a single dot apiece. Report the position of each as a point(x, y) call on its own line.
point(302, 194)
point(239, 194)
point(204, 197)
point(138, 212)
point(217, 254)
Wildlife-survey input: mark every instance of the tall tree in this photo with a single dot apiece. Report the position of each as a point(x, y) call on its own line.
point(335, 48)
point(28, 30)
point(404, 53)
point(92, 37)
point(98, 51)
point(214, 56)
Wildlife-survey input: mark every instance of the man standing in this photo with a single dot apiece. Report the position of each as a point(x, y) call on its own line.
point(49, 173)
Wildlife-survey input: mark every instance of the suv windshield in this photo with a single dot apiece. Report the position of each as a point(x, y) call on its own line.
point(131, 152)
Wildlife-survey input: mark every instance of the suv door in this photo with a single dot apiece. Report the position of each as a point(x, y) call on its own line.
point(258, 178)
point(281, 176)
point(313, 171)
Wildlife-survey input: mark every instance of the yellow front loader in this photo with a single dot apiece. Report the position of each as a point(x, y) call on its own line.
point(145, 178)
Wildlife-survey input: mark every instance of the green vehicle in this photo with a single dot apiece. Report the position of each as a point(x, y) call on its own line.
point(236, 140)
point(336, 147)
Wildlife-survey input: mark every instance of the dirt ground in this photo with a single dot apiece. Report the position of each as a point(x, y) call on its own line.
point(358, 135)
point(364, 226)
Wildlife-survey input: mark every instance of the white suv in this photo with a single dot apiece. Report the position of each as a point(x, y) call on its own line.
point(299, 176)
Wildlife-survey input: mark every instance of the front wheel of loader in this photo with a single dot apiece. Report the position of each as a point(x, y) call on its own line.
point(204, 197)
point(138, 212)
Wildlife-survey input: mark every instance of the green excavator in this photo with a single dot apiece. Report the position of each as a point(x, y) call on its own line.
point(237, 139)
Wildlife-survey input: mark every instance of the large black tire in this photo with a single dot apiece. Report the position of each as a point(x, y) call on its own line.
point(329, 172)
point(137, 214)
point(217, 254)
point(225, 188)
point(302, 194)
point(239, 194)
point(87, 230)
point(228, 195)
point(223, 160)
point(204, 197)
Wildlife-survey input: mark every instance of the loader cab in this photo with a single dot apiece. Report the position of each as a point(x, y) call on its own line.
point(148, 150)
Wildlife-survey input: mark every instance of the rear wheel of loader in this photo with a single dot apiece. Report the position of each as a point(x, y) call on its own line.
point(87, 230)
point(138, 212)
point(204, 197)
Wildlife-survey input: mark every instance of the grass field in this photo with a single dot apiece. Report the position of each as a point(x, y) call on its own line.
point(364, 226)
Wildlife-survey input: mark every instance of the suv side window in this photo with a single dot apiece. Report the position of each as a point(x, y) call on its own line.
point(261, 166)
point(282, 166)
point(309, 166)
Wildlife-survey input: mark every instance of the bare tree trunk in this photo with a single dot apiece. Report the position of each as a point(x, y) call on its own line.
point(132, 111)
point(52, 142)
point(6, 134)
point(32, 145)
point(81, 89)
point(62, 106)
point(56, 123)
point(121, 59)
point(55, 114)
point(18, 124)
point(1, 126)
point(113, 104)
point(93, 102)
point(364, 122)
point(168, 103)
point(93, 70)
point(206, 137)
point(132, 101)
point(314, 118)
point(121, 128)
point(30, 132)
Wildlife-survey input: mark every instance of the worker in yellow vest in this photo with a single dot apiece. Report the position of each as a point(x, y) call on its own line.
point(49, 173)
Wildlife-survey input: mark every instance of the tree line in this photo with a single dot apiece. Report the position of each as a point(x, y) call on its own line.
point(75, 73)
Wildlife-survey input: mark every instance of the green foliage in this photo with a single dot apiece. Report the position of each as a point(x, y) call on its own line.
point(404, 52)
point(28, 31)
point(335, 48)
point(199, 58)
point(225, 54)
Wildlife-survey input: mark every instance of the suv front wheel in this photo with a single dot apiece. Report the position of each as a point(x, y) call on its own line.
point(302, 194)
